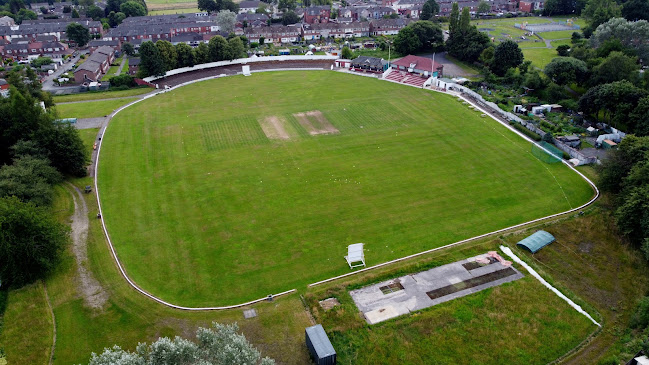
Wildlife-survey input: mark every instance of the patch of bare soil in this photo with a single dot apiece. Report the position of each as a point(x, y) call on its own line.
point(273, 128)
point(325, 125)
point(322, 125)
point(94, 295)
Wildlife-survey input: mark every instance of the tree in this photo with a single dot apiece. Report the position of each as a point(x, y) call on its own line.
point(615, 101)
point(434, 7)
point(94, 12)
point(115, 19)
point(287, 4)
point(207, 5)
point(236, 48)
point(75, 14)
point(534, 81)
point(31, 241)
point(639, 118)
point(524, 67)
point(631, 34)
point(483, 7)
point(219, 345)
point(229, 5)
point(506, 55)
point(132, 8)
point(560, 7)
point(167, 54)
point(218, 49)
point(563, 50)
point(429, 34)
point(65, 149)
point(426, 12)
point(201, 54)
point(487, 56)
point(128, 48)
point(347, 53)
point(78, 33)
point(454, 20)
point(185, 55)
point(600, 11)
point(226, 19)
point(626, 174)
point(617, 66)
point(289, 17)
point(465, 20)
point(636, 10)
point(151, 62)
point(67, 9)
point(30, 179)
point(566, 70)
point(407, 41)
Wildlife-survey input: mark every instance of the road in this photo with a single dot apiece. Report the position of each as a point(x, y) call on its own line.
point(48, 82)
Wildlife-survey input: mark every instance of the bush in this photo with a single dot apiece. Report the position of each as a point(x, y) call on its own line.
point(122, 80)
point(526, 131)
point(640, 318)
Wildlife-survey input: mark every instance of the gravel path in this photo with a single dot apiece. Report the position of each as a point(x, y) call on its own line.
point(94, 295)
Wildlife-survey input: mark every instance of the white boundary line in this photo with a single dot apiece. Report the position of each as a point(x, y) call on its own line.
point(142, 291)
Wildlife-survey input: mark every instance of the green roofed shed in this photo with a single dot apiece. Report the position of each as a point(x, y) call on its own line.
point(536, 241)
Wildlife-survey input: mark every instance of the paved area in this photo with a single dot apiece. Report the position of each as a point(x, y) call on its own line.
point(410, 292)
point(87, 123)
point(48, 82)
point(451, 69)
point(121, 65)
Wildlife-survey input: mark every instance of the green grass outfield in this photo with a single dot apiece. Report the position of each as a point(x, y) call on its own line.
point(191, 8)
point(203, 209)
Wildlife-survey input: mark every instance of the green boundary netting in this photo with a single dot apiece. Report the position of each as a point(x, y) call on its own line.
point(553, 156)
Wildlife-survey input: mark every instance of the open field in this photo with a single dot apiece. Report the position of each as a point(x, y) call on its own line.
point(521, 322)
point(590, 260)
point(540, 57)
point(159, 5)
point(503, 29)
point(101, 95)
point(406, 172)
point(560, 34)
point(191, 8)
point(91, 109)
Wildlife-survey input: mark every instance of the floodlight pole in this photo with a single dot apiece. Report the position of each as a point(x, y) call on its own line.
point(433, 66)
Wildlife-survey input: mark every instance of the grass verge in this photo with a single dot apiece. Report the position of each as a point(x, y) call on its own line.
point(91, 109)
point(101, 95)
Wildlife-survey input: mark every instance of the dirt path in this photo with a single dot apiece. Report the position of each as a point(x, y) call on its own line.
point(49, 307)
point(94, 295)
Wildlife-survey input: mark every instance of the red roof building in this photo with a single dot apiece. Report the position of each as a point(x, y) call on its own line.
point(418, 65)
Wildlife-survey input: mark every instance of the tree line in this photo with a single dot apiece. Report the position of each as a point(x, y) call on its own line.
point(36, 152)
point(162, 56)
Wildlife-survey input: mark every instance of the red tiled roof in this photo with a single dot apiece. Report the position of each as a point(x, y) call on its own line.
point(422, 63)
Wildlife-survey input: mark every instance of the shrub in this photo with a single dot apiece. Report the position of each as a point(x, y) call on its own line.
point(122, 80)
point(526, 131)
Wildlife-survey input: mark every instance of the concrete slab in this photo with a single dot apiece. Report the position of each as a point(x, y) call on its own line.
point(381, 314)
point(378, 306)
point(249, 313)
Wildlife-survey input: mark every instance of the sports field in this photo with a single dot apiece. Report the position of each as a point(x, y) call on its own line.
point(228, 190)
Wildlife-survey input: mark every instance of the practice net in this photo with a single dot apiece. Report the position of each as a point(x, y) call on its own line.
point(546, 152)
